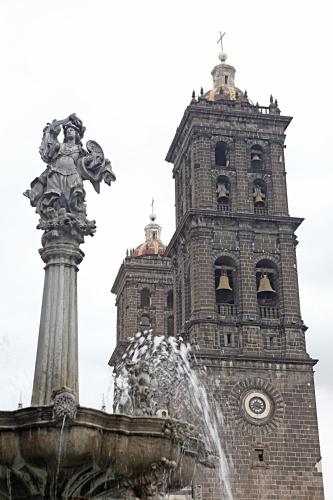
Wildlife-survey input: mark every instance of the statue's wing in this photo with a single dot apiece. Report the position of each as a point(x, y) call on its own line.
point(96, 151)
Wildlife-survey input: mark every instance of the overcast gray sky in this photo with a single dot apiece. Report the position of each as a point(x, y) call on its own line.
point(128, 69)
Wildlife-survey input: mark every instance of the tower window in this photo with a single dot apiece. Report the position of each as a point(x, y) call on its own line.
point(228, 339)
point(170, 329)
point(145, 321)
point(226, 79)
point(259, 454)
point(257, 155)
point(259, 195)
point(145, 298)
point(223, 192)
point(224, 281)
point(170, 300)
point(267, 289)
point(221, 154)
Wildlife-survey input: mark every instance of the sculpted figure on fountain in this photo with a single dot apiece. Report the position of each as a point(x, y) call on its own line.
point(58, 193)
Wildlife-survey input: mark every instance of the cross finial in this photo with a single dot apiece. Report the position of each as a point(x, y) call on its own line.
point(152, 215)
point(222, 54)
point(220, 40)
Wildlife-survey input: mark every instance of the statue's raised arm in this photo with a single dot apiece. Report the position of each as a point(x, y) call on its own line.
point(58, 193)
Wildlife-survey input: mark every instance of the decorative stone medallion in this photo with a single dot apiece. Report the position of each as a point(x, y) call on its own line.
point(256, 405)
point(64, 405)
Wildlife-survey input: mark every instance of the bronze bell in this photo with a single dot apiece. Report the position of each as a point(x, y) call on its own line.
point(222, 194)
point(259, 201)
point(256, 157)
point(224, 289)
point(265, 289)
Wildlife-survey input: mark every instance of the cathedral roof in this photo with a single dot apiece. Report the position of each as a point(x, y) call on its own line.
point(153, 244)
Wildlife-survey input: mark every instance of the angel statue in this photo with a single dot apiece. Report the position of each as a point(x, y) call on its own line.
point(58, 193)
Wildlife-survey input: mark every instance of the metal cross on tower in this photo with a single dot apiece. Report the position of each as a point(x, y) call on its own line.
point(221, 40)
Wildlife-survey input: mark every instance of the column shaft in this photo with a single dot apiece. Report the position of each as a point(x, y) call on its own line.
point(57, 351)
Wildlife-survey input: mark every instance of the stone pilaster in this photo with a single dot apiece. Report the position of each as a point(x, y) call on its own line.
point(241, 200)
point(289, 278)
point(279, 179)
point(247, 285)
point(57, 352)
point(202, 173)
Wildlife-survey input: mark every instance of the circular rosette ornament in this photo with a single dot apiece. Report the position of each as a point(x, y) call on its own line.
point(256, 405)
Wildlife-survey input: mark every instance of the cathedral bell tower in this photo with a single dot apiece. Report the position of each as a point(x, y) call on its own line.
point(144, 291)
point(236, 290)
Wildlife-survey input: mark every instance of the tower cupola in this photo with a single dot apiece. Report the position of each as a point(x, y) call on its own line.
point(153, 244)
point(224, 81)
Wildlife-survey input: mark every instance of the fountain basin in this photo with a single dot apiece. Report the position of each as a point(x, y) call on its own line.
point(96, 454)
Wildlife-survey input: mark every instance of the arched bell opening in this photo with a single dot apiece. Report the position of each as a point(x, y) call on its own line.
point(267, 288)
point(225, 274)
point(145, 322)
point(259, 195)
point(221, 150)
point(257, 157)
point(223, 192)
point(145, 298)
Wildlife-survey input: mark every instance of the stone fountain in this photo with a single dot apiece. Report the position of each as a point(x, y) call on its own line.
point(56, 448)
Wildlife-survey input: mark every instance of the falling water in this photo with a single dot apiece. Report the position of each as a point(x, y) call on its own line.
point(177, 389)
point(59, 456)
point(9, 484)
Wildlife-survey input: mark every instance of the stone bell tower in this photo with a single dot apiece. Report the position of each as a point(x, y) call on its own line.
point(236, 291)
point(144, 291)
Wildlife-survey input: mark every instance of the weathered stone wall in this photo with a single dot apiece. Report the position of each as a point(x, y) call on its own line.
point(289, 440)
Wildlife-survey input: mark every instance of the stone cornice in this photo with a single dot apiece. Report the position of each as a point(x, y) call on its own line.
point(140, 265)
point(221, 110)
point(243, 218)
point(237, 360)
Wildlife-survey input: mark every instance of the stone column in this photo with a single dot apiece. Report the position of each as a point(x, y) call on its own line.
point(59, 198)
point(57, 352)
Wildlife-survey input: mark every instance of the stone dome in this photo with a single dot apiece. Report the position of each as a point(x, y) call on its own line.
point(225, 92)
